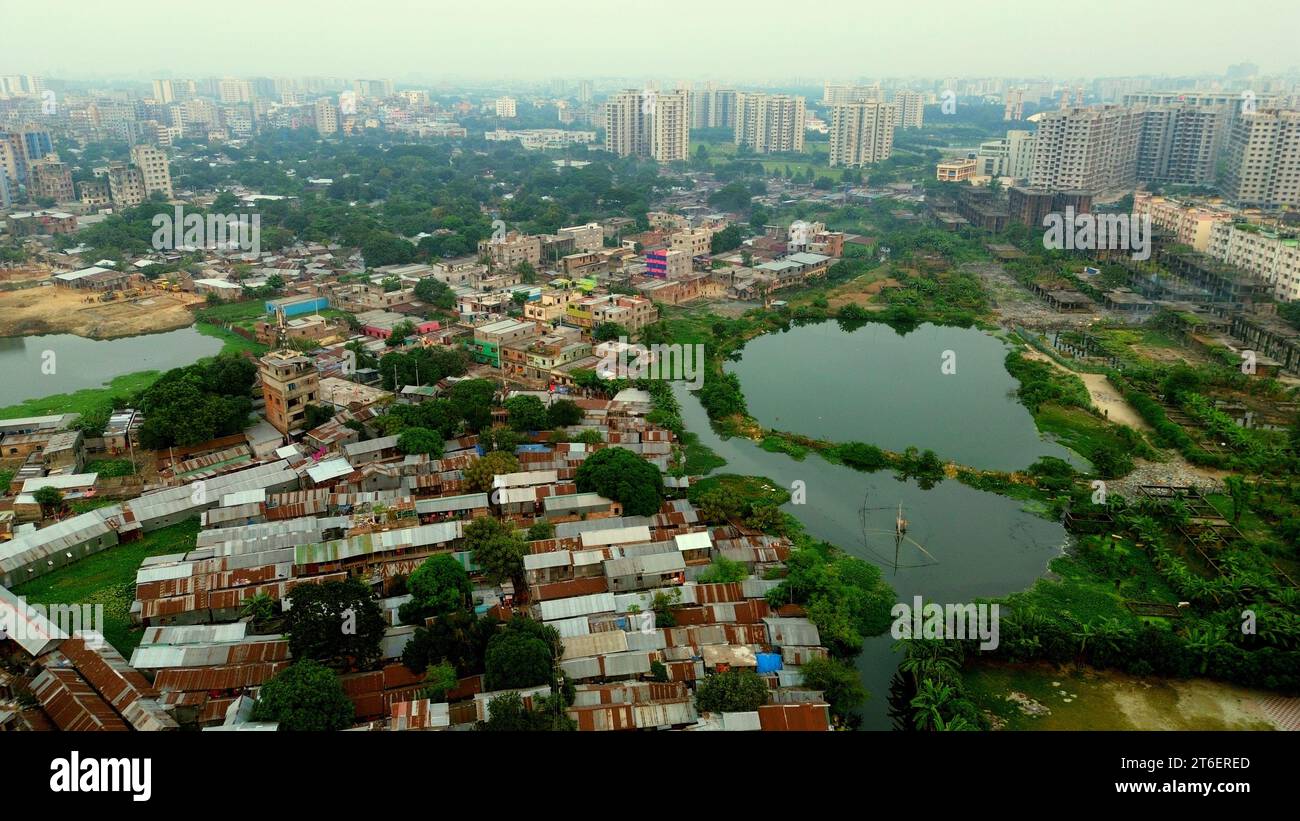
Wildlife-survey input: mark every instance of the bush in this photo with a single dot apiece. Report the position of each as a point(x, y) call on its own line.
point(735, 691)
point(306, 697)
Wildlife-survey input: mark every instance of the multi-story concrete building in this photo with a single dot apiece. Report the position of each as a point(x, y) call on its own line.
point(958, 170)
point(1191, 225)
point(861, 133)
point(1272, 256)
point(1087, 149)
point(770, 122)
point(589, 237)
point(713, 108)
point(650, 124)
point(513, 249)
point(696, 242)
point(506, 108)
point(125, 185)
point(1179, 144)
point(1262, 159)
point(1011, 156)
point(154, 169)
point(289, 384)
point(833, 95)
point(50, 179)
point(327, 117)
point(910, 111)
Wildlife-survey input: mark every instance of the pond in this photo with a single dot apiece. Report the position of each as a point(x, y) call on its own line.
point(35, 366)
point(982, 544)
point(941, 388)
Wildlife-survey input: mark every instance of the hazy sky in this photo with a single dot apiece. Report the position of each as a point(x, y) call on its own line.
point(753, 40)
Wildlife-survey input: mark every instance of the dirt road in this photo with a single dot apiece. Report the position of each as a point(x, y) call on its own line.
point(52, 310)
point(1104, 395)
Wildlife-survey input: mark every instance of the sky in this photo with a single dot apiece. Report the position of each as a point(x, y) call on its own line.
point(726, 40)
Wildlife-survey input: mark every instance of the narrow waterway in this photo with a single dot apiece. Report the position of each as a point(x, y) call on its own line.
point(983, 544)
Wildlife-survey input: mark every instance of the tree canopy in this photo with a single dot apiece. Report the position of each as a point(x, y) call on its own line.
point(619, 474)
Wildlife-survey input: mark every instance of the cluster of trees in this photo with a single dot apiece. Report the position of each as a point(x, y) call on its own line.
point(846, 598)
point(193, 404)
point(527, 413)
point(466, 406)
point(420, 366)
point(623, 476)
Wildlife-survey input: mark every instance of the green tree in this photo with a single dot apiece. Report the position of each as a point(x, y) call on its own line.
point(619, 474)
point(526, 412)
point(438, 586)
point(838, 681)
point(564, 412)
point(724, 571)
point(735, 691)
point(541, 530)
point(50, 499)
point(304, 697)
point(479, 474)
point(515, 659)
point(420, 440)
point(498, 552)
point(440, 679)
point(400, 332)
point(337, 623)
point(609, 331)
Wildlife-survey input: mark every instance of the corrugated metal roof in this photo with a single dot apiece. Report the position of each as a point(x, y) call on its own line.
point(792, 631)
point(449, 504)
point(577, 606)
point(368, 544)
point(595, 644)
point(622, 535)
point(29, 628)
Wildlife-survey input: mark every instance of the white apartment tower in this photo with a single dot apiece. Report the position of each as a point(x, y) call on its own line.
point(507, 108)
point(155, 173)
point(861, 133)
point(910, 110)
point(770, 122)
point(650, 124)
point(1087, 149)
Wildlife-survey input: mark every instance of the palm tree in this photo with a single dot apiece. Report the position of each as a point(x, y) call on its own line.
point(930, 700)
point(1084, 634)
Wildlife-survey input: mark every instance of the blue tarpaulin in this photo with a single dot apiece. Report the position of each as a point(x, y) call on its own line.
point(768, 662)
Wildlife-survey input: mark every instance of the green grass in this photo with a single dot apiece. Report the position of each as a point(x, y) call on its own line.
point(85, 400)
point(699, 458)
point(231, 341)
point(110, 467)
point(235, 312)
point(108, 578)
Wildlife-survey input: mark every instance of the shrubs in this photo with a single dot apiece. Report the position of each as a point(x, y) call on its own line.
point(735, 691)
point(306, 697)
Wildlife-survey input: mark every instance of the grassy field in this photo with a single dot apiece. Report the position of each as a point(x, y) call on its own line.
point(110, 467)
point(108, 578)
point(814, 157)
point(231, 341)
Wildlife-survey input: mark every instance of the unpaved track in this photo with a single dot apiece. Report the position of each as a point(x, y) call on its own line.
point(53, 310)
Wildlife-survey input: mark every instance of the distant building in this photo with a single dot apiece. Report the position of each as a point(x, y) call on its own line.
point(958, 170)
point(506, 108)
point(770, 122)
point(648, 124)
point(861, 133)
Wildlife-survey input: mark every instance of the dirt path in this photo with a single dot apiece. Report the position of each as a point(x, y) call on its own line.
point(52, 310)
point(1104, 395)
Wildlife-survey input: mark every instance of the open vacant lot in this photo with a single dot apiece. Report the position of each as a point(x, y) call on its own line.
point(51, 310)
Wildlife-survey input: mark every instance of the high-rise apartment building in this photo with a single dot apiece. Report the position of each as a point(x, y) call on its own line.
point(1090, 149)
point(770, 122)
point(1180, 143)
point(861, 133)
point(327, 116)
point(506, 107)
point(910, 109)
point(650, 124)
point(833, 95)
point(713, 108)
point(1262, 159)
point(125, 185)
point(155, 173)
